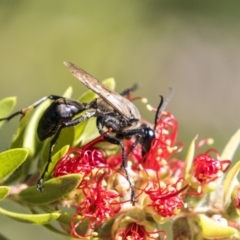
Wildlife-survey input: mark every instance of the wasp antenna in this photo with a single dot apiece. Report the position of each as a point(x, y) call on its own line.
point(162, 105)
point(159, 111)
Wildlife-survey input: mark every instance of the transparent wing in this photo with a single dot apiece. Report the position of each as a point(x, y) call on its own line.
point(118, 102)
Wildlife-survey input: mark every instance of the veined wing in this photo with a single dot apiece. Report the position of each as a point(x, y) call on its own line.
point(118, 102)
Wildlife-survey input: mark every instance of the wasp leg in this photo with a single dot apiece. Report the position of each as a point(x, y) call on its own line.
point(34, 105)
point(71, 123)
point(162, 105)
point(114, 140)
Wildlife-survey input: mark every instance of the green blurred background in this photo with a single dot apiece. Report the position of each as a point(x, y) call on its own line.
point(191, 46)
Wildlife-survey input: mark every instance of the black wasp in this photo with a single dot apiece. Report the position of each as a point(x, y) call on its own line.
point(111, 110)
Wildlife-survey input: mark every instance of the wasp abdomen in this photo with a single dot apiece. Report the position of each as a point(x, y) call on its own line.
point(60, 111)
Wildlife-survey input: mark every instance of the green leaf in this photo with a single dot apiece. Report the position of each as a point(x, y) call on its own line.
point(66, 218)
point(90, 132)
point(66, 138)
point(26, 134)
point(32, 218)
point(54, 189)
point(65, 222)
point(231, 209)
point(6, 107)
point(105, 230)
point(30, 138)
point(11, 160)
point(110, 83)
point(3, 192)
point(230, 182)
point(13, 177)
point(68, 92)
point(190, 158)
point(231, 146)
point(54, 229)
point(79, 132)
point(50, 227)
point(214, 230)
point(17, 141)
point(19, 134)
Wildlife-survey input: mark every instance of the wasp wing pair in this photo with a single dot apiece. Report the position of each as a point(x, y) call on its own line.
point(122, 105)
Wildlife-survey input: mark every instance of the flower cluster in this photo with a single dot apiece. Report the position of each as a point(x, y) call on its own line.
point(164, 185)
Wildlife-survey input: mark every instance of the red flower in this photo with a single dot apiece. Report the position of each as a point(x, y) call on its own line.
point(166, 200)
point(98, 205)
point(82, 160)
point(208, 169)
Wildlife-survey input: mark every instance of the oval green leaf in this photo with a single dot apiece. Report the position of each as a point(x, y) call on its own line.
point(6, 107)
point(32, 218)
point(3, 192)
point(54, 189)
point(10, 160)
